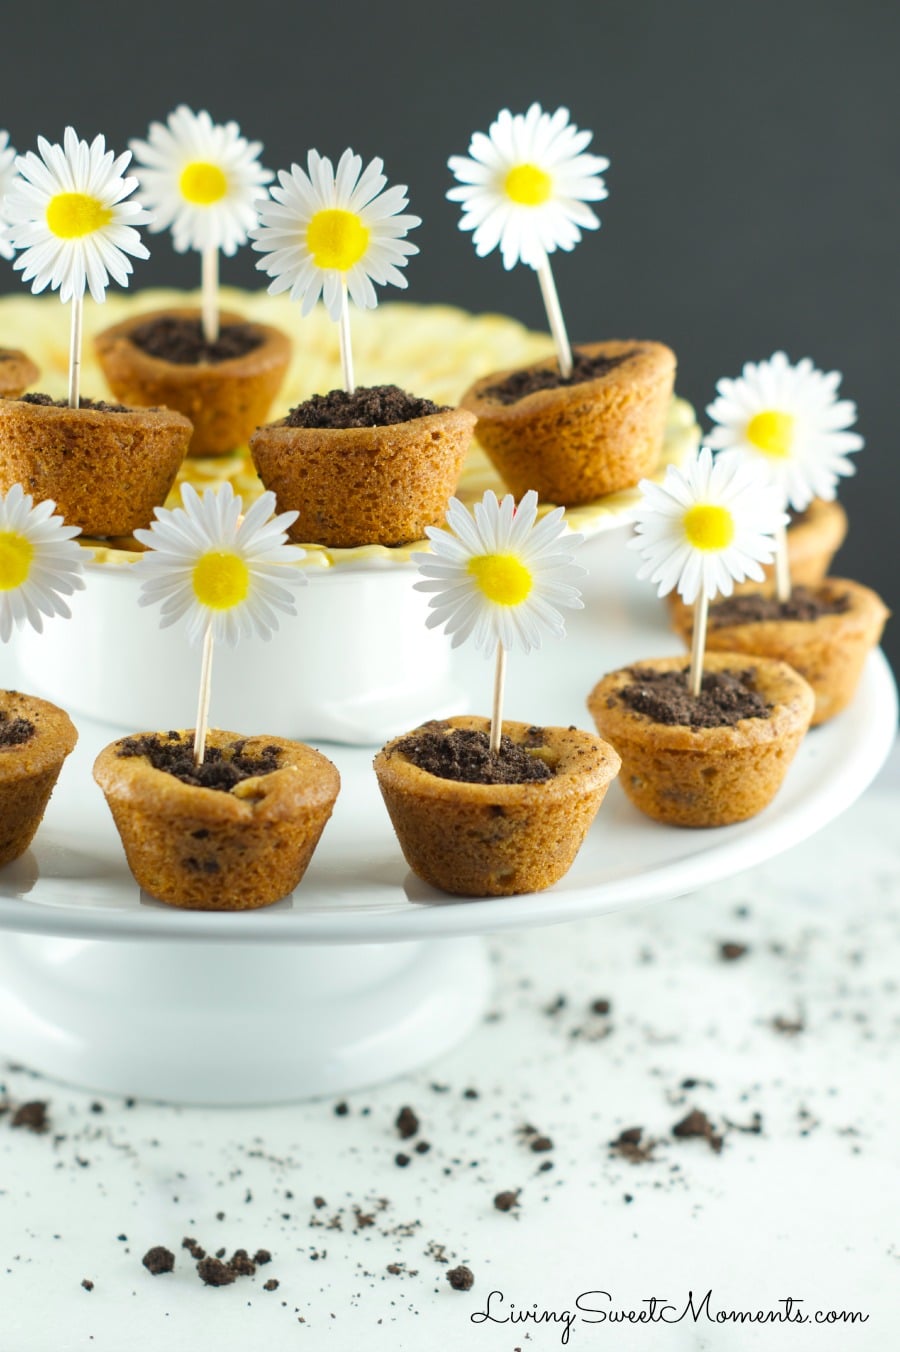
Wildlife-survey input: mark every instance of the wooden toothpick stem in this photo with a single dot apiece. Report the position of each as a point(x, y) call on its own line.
point(203, 703)
point(346, 348)
point(698, 642)
point(209, 274)
point(782, 565)
point(75, 350)
point(497, 710)
point(555, 317)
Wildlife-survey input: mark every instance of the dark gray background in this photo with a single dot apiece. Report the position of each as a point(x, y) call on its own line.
point(754, 194)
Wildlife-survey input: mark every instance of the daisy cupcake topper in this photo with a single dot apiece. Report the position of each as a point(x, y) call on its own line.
point(201, 180)
point(332, 233)
point(7, 179)
point(72, 226)
point(498, 577)
point(39, 562)
point(790, 421)
point(706, 526)
point(226, 573)
point(525, 188)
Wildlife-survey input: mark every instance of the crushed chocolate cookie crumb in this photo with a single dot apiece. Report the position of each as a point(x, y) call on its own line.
point(460, 1278)
point(698, 1124)
point(407, 1123)
point(465, 755)
point(790, 1027)
point(632, 1145)
point(726, 697)
point(341, 1109)
point(422, 1147)
point(177, 339)
point(213, 1272)
point(87, 1284)
point(32, 1116)
point(470, 1094)
point(271, 1284)
point(540, 1144)
point(507, 1201)
point(194, 1249)
point(241, 1263)
point(401, 1160)
point(158, 1259)
point(261, 1257)
point(222, 768)
point(805, 604)
point(601, 1006)
point(97, 405)
point(14, 731)
point(730, 952)
point(519, 383)
point(367, 406)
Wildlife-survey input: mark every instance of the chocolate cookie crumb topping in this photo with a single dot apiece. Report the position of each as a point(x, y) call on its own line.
point(158, 1259)
point(97, 405)
point(464, 754)
point(725, 698)
point(805, 603)
point(460, 1278)
point(222, 769)
point(368, 406)
point(584, 368)
point(176, 339)
point(14, 731)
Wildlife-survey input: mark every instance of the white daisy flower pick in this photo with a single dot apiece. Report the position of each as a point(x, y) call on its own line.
point(228, 574)
point(498, 577)
point(525, 188)
point(706, 526)
point(39, 562)
point(202, 180)
point(7, 179)
point(790, 421)
point(73, 227)
point(332, 233)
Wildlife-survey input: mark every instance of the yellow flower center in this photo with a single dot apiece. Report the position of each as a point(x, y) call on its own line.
point(502, 578)
point(772, 433)
point(528, 185)
point(71, 215)
point(221, 580)
point(16, 553)
point(336, 239)
point(708, 526)
point(202, 184)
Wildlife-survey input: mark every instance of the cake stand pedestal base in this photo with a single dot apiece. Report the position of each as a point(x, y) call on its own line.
point(227, 1023)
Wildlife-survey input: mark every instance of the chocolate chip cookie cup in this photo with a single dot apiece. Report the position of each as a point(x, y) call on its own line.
point(35, 738)
point(685, 773)
point(574, 440)
point(225, 387)
point(242, 844)
point(17, 372)
point(104, 465)
point(825, 632)
point(494, 839)
point(367, 482)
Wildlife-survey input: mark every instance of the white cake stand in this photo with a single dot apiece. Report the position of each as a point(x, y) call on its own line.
point(364, 972)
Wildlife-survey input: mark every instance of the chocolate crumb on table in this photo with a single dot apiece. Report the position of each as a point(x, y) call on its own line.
point(32, 1116)
point(632, 1145)
point(159, 1259)
point(407, 1123)
point(261, 1257)
point(460, 1278)
point(87, 1284)
point(507, 1201)
point(540, 1143)
point(271, 1284)
point(213, 1272)
point(367, 406)
point(730, 952)
point(601, 1006)
point(401, 1160)
point(697, 1124)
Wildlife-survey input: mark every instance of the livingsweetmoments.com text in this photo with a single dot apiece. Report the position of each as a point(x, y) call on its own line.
point(598, 1308)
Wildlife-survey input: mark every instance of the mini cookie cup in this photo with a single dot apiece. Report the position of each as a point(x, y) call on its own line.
point(364, 485)
point(30, 769)
point(105, 471)
point(829, 651)
point(575, 443)
point(497, 840)
point(210, 850)
point(225, 400)
point(17, 372)
point(704, 777)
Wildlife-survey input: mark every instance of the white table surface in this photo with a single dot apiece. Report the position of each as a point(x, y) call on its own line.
point(806, 1208)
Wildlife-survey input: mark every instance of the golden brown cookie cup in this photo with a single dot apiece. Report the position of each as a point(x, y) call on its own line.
point(364, 485)
point(210, 850)
point(497, 840)
point(29, 771)
point(829, 652)
point(703, 777)
point(105, 471)
point(579, 442)
point(17, 372)
point(224, 400)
